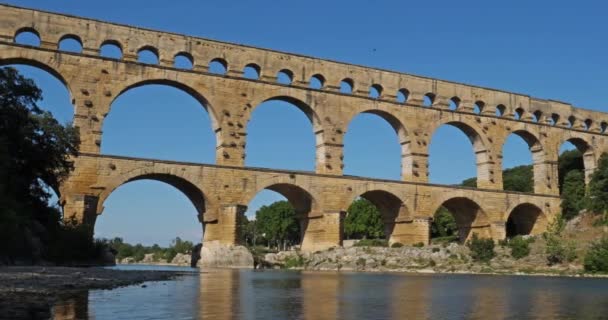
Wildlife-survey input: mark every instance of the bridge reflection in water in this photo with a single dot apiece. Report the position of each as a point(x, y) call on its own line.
point(248, 294)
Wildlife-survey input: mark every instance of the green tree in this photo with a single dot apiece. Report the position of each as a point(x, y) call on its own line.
point(520, 178)
point(482, 249)
point(568, 161)
point(278, 222)
point(598, 187)
point(444, 224)
point(35, 151)
point(573, 194)
point(363, 221)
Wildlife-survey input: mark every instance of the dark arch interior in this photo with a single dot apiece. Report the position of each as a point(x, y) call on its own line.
point(522, 220)
point(468, 217)
point(388, 206)
point(299, 200)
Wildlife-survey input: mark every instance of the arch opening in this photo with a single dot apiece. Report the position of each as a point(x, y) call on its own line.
point(147, 55)
point(403, 95)
point(478, 107)
point(218, 66)
point(521, 151)
point(525, 219)
point(365, 156)
point(111, 49)
point(454, 138)
point(317, 81)
point(500, 110)
point(56, 95)
point(373, 215)
point(281, 135)
point(28, 37)
point(70, 43)
point(285, 77)
point(142, 123)
point(575, 164)
point(252, 71)
point(454, 103)
point(468, 218)
point(375, 91)
point(347, 86)
point(428, 100)
point(277, 217)
point(170, 201)
point(183, 60)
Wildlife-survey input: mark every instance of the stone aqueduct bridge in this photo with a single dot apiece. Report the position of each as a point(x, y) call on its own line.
point(220, 192)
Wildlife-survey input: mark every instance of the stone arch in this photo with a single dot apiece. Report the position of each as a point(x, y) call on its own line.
point(525, 219)
point(40, 65)
point(179, 181)
point(22, 30)
point(469, 215)
point(304, 107)
point(71, 36)
point(391, 207)
point(539, 157)
point(402, 136)
point(298, 195)
point(484, 157)
point(213, 114)
point(303, 201)
point(588, 151)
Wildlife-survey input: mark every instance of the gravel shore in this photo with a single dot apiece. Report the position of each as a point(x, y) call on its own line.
point(30, 292)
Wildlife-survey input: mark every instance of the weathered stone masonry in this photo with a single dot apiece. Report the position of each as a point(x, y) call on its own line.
point(221, 192)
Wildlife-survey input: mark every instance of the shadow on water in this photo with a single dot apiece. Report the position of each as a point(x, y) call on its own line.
point(249, 294)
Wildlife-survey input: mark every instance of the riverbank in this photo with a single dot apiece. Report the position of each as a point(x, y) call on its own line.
point(451, 259)
point(32, 291)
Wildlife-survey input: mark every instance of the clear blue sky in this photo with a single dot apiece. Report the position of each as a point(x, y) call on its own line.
point(548, 49)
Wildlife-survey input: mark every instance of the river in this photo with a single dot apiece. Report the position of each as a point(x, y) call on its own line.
point(249, 294)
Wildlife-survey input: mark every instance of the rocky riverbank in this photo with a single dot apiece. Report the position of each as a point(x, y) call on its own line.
point(181, 260)
point(30, 292)
point(453, 258)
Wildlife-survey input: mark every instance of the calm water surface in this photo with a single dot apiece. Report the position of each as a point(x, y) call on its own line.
point(248, 294)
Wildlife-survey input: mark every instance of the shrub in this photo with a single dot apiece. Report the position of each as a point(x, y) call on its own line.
point(436, 250)
point(294, 262)
point(361, 262)
point(419, 245)
point(559, 250)
point(397, 245)
point(432, 263)
point(482, 250)
point(596, 259)
point(520, 247)
point(371, 243)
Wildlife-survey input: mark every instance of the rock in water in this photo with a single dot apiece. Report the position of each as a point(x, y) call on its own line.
point(216, 255)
